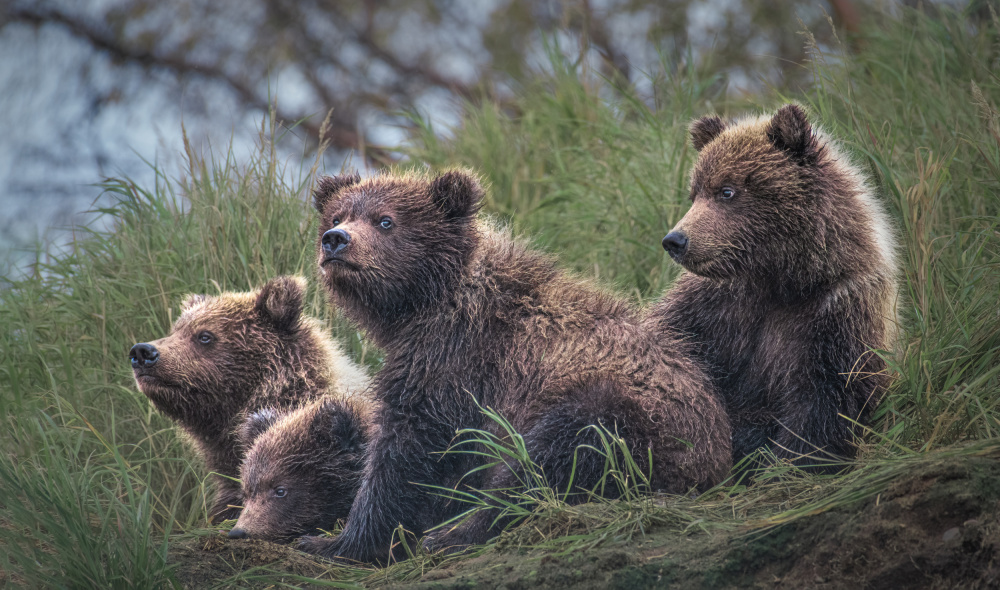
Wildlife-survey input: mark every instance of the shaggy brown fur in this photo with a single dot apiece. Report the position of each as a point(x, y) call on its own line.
point(791, 283)
point(234, 353)
point(466, 314)
point(302, 468)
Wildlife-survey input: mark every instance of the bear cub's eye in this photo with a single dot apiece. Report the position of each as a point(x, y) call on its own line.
point(205, 337)
point(727, 193)
point(336, 222)
point(385, 223)
point(280, 492)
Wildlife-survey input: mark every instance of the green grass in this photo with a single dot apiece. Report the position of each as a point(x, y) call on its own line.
point(919, 106)
point(81, 521)
point(67, 329)
point(92, 480)
point(531, 495)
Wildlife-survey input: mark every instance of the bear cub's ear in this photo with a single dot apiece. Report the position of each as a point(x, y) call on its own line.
point(457, 193)
point(790, 131)
point(192, 300)
point(338, 427)
point(329, 188)
point(280, 302)
point(255, 425)
point(704, 130)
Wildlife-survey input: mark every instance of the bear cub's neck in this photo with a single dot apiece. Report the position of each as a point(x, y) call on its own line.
point(494, 279)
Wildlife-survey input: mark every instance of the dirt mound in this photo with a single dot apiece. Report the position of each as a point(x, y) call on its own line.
point(935, 528)
point(936, 525)
point(214, 560)
point(938, 529)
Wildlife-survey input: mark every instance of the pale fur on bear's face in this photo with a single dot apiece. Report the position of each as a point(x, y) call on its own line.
point(760, 195)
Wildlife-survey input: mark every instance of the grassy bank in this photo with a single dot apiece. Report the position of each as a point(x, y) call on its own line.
point(93, 481)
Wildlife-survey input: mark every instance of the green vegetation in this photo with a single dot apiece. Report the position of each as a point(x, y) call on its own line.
point(93, 480)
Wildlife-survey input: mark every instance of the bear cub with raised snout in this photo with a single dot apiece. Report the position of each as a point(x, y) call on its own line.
point(232, 354)
point(301, 468)
point(790, 285)
point(469, 318)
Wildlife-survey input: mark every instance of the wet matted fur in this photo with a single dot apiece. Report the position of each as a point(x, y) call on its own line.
point(790, 284)
point(231, 354)
point(467, 314)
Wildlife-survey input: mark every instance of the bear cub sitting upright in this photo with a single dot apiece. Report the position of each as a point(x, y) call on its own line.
point(469, 317)
point(790, 284)
point(235, 353)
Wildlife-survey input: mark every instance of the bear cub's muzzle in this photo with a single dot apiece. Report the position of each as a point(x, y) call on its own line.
point(676, 244)
point(335, 241)
point(143, 356)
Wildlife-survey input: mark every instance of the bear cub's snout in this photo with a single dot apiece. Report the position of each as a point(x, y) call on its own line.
point(335, 241)
point(676, 244)
point(143, 355)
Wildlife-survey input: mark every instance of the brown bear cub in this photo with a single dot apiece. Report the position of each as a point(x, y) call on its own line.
point(467, 315)
point(234, 353)
point(790, 285)
point(302, 468)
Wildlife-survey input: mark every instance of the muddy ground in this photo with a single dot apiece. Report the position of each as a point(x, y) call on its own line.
point(937, 527)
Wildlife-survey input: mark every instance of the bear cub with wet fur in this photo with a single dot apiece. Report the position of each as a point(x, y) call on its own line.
point(790, 285)
point(471, 318)
point(231, 354)
point(301, 468)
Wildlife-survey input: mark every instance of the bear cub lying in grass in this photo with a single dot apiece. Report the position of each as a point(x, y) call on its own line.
point(232, 354)
point(469, 316)
point(301, 468)
point(790, 285)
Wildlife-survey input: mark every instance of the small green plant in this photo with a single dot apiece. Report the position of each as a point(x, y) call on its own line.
point(618, 506)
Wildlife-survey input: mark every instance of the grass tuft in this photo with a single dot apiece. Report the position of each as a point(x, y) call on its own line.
point(73, 523)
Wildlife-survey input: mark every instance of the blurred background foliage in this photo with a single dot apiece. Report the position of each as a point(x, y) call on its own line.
point(368, 61)
point(91, 90)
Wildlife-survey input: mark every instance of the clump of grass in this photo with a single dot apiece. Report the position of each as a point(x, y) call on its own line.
point(618, 507)
point(918, 104)
point(68, 522)
point(531, 491)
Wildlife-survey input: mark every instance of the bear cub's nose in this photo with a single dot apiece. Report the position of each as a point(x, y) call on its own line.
point(334, 241)
point(143, 355)
point(238, 534)
point(676, 244)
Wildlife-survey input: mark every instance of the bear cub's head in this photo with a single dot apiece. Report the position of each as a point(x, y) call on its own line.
point(221, 350)
point(387, 244)
point(762, 192)
point(301, 469)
